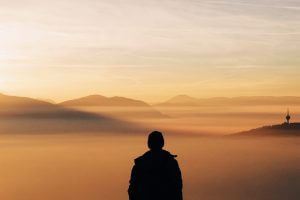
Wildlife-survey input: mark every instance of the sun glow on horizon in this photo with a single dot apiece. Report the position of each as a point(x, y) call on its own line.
point(149, 50)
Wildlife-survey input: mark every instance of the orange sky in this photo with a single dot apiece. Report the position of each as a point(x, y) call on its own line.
point(150, 50)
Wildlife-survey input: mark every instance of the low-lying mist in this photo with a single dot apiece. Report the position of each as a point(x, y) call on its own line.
point(205, 120)
point(81, 167)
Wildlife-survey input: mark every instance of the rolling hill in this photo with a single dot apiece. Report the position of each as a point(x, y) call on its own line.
point(114, 106)
point(98, 100)
point(27, 115)
point(14, 102)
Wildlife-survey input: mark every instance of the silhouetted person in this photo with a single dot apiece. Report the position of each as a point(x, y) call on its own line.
point(156, 174)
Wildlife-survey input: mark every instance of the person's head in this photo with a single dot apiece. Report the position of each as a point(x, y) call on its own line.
point(156, 141)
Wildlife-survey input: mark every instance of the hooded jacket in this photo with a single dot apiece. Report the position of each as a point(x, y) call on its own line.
point(156, 176)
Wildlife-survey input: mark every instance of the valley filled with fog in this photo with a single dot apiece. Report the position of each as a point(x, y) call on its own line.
point(86, 151)
point(90, 167)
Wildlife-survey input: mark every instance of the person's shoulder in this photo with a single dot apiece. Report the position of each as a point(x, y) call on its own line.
point(171, 158)
point(169, 155)
point(148, 156)
point(142, 158)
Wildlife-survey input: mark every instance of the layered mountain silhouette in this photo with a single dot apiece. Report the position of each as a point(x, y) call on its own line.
point(184, 100)
point(14, 102)
point(23, 107)
point(116, 106)
point(98, 100)
point(285, 129)
point(22, 114)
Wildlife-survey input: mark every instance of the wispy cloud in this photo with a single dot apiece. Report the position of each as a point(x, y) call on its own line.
point(258, 4)
point(156, 45)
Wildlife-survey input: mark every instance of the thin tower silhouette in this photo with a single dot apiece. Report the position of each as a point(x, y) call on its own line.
point(288, 117)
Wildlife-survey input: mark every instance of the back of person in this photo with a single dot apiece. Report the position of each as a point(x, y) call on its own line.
point(156, 175)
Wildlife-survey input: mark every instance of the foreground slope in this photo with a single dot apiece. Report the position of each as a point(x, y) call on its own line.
point(285, 129)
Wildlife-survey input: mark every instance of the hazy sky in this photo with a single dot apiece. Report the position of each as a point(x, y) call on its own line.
point(149, 49)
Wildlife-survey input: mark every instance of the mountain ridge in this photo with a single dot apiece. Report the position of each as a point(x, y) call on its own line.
point(23, 114)
point(99, 100)
point(9, 101)
point(185, 100)
point(117, 106)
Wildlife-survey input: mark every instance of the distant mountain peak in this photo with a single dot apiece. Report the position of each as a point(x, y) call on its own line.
point(94, 95)
point(182, 99)
point(99, 100)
